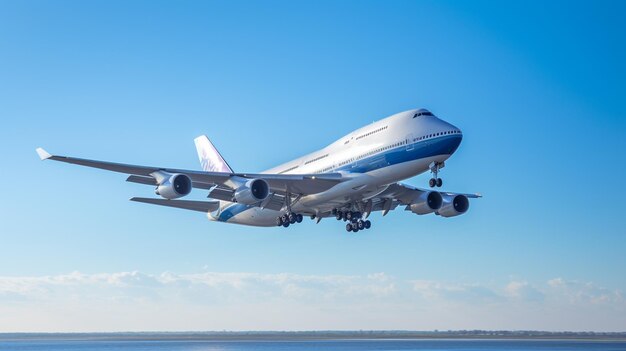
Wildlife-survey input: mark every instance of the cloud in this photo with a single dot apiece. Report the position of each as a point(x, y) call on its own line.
point(241, 300)
point(576, 292)
point(524, 291)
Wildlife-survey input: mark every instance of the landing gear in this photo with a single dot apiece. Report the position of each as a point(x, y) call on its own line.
point(435, 182)
point(358, 224)
point(354, 218)
point(289, 218)
point(434, 168)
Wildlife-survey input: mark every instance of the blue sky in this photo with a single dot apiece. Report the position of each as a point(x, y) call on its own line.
point(538, 90)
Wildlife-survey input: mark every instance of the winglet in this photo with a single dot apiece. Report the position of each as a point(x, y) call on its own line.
point(210, 158)
point(43, 154)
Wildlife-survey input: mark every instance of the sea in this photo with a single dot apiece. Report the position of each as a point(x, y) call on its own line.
point(333, 345)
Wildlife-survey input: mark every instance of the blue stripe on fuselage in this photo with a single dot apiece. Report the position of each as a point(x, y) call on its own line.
point(232, 211)
point(443, 145)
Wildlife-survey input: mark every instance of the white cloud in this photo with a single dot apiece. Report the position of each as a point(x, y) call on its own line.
point(239, 301)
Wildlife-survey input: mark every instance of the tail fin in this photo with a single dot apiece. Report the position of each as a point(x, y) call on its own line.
point(210, 158)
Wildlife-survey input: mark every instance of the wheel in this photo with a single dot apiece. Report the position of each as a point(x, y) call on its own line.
point(299, 218)
point(439, 182)
point(279, 221)
point(292, 218)
point(339, 215)
point(360, 224)
point(358, 214)
point(349, 227)
point(286, 224)
point(432, 182)
point(355, 227)
point(348, 215)
point(368, 224)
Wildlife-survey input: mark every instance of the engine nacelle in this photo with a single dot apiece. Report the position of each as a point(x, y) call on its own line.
point(177, 185)
point(253, 191)
point(427, 202)
point(454, 205)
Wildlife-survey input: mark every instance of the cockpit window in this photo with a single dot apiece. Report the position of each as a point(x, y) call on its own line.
point(422, 112)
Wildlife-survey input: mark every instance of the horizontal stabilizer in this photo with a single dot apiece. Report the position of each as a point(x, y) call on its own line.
point(201, 206)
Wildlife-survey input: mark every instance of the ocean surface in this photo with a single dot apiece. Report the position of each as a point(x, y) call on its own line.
point(338, 345)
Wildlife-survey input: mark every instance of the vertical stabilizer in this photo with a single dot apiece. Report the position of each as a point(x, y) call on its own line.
point(210, 158)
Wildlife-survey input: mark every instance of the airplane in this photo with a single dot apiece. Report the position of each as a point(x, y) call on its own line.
point(349, 179)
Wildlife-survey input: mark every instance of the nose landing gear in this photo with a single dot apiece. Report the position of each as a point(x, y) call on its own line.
point(434, 168)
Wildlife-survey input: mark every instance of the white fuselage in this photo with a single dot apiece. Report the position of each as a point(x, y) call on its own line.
point(384, 152)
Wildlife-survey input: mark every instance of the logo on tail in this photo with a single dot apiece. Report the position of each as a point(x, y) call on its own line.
point(210, 158)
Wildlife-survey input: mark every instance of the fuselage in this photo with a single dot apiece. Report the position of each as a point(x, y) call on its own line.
point(384, 152)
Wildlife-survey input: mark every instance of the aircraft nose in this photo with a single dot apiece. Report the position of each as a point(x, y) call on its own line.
point(452, 137)
point(450, 142)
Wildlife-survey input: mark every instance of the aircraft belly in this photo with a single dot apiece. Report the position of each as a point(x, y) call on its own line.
point(256, 216)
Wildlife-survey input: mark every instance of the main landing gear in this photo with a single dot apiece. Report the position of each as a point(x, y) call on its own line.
point(435, 181)
point(354, 219)
point(288, 218)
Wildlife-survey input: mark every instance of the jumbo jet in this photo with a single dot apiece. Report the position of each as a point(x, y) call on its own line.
point(348, 179)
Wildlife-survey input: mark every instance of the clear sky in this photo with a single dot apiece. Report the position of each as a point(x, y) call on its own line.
point(538, 89)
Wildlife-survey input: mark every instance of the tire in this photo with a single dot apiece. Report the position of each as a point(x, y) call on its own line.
point(279, 221)
point(348, 215)
point(439, 182)
point(360, 225)
point(432, 182)
point(299, 218)
point(358, 214)
point(292, 218)
point(339, 215)
point(286, 224)
point(348, 227)
point(368, 224)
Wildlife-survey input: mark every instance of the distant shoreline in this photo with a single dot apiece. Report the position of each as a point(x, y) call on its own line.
point(319, 335)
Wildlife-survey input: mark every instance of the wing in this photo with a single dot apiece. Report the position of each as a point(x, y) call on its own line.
point(407, 194)
point(399, 194)
point(302, 184)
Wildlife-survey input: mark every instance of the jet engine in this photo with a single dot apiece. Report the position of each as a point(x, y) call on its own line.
point(177, 185)
point(427, 202)
point(453, 205)
point(253, 191)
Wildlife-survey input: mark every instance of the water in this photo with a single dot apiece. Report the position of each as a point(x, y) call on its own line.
point(336, 345)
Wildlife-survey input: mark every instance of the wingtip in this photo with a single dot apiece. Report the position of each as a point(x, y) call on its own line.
point(43, 154)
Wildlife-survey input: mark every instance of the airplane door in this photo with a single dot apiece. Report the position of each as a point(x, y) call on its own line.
point(409, 142)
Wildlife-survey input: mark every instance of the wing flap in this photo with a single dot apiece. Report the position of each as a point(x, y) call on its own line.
point(151, 181)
